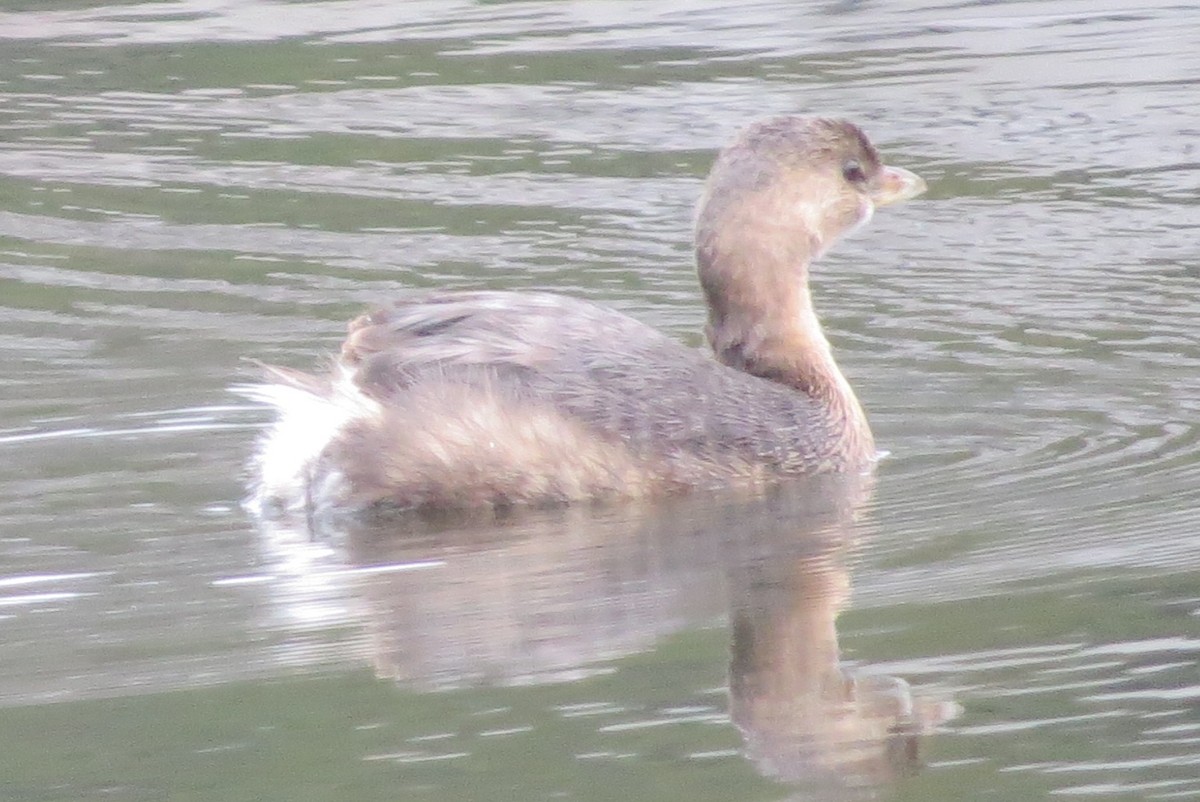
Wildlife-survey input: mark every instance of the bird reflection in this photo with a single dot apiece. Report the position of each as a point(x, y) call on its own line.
point(803, 715)
point(556, 596)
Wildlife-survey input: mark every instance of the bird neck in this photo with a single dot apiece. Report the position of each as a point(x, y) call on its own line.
point(780, 338)
point(752, 257)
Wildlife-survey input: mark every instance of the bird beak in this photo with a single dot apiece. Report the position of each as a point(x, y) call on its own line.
point(896, 184)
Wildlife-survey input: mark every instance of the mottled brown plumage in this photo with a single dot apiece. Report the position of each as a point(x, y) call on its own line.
point(494, 398)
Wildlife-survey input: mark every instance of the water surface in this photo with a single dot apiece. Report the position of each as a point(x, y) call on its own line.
point(185, 185)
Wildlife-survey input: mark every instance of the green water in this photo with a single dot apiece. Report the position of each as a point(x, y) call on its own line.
point(186, 185)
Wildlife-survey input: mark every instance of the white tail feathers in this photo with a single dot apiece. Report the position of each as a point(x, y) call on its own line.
point(307, 420)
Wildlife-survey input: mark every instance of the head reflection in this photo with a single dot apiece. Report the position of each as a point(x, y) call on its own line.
point(805, 716)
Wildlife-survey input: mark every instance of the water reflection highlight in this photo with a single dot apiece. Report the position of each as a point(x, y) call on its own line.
point(559, 596)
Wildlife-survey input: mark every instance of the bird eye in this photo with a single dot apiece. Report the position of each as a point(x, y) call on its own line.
point(852, 171)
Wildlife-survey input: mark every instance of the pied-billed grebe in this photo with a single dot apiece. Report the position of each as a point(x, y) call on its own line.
point(466, 399)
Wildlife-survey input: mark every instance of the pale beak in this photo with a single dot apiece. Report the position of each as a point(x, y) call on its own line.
point(896, 184)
